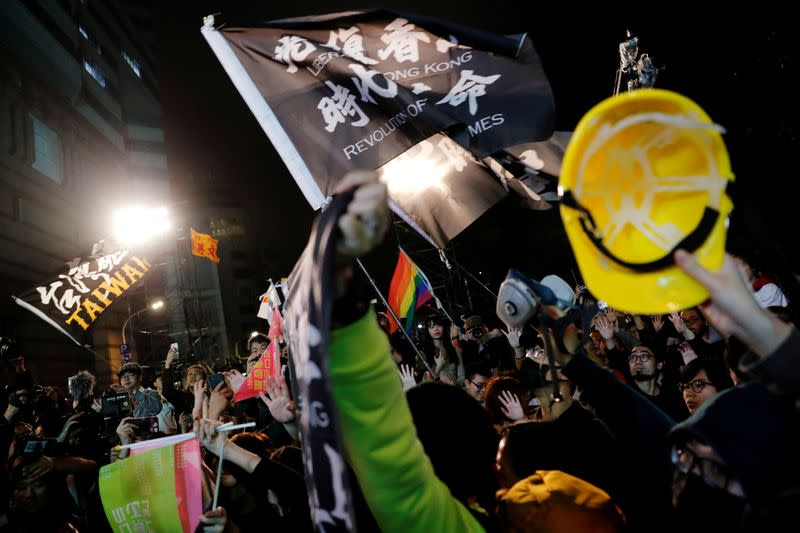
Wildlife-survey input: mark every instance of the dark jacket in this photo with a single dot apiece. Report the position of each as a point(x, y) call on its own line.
point(182, 401)
point(640, 426)
point(756, 433)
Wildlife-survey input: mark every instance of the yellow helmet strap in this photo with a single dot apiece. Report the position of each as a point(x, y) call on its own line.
point(690, 243)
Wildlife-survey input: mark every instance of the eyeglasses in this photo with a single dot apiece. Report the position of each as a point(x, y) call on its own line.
point(697, 385)
point(640, 356)
point(479, 386)
point(686, 461)
point(692, 319)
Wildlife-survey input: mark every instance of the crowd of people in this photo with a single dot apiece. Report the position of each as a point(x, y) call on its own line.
point(611, 422)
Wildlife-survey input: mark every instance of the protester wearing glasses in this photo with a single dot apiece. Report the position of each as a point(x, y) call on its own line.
point(477, 376)
point(706, 342)
point(646, 370)
point(701, 380)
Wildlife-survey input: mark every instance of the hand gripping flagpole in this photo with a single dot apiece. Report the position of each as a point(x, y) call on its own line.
point(394, 316)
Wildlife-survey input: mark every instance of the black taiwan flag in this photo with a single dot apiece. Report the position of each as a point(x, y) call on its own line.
point(358, 90)
point(75, 299)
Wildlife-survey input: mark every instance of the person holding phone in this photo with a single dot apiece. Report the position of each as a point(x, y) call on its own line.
point(181, 397)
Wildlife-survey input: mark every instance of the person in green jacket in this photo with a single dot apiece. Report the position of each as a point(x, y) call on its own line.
point(393, 470)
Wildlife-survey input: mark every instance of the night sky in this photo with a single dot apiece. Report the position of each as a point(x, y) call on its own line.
point(744, 73)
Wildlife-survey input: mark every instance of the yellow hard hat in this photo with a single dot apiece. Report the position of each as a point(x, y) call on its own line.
point(645, 173)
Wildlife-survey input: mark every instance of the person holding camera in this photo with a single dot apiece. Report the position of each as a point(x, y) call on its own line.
point(146, 402)
point(484, 345)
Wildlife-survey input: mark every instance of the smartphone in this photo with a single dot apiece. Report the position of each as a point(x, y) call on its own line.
point(145, 427)
point(174, 347)
point(214, 380)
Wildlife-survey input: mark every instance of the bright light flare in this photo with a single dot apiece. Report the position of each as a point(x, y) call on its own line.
point(138, 224)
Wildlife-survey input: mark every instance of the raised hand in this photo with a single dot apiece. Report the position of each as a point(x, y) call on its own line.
point(407, 377)
point(234, 378)
point(513, 335)
point(198, 390)
point(732, 309)
point(440, 359)
point(512, 407)
point(680, 327)
point(172, 354)
point(209, 437)
point(279, 401)
point(219, 400)
point(687, 352)
point(456, 337)
point(125, 431)
point(603, 325)
point(367, 218)
point(658, 322)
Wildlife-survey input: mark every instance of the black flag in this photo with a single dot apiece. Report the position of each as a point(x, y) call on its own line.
point(307, 323)
point(356, 90)
point(74, 300)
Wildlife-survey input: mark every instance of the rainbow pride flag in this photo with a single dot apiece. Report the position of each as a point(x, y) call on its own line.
point(408, 291)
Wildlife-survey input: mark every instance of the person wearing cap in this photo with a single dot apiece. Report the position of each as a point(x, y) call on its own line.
point(146, 402)
point(553, 501)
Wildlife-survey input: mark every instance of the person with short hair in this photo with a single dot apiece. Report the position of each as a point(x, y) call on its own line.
point(702, 380)
point(146, 401)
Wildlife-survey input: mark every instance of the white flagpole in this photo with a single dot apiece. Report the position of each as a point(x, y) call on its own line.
point(263, 113)
point(37, 312)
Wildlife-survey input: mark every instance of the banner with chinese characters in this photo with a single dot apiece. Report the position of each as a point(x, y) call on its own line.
point(204, 245)
point(155, 490)
point(359, 90)
point(74, 300)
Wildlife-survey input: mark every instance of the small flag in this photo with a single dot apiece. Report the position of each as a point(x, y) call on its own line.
point(408, 291)
point(204, 245)
point(269, 366)
point(270, 301)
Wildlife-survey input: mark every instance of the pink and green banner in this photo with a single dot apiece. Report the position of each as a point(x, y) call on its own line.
point(155, 490)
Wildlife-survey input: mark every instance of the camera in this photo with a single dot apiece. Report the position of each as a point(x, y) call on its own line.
point(31, 447)
point(116, 405)
point(38, 447)
point(28, 397)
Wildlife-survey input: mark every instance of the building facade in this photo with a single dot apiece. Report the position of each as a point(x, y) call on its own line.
point(80, 134)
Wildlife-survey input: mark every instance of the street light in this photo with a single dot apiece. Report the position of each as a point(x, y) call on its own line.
point(136, 224)
point(155, 306)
